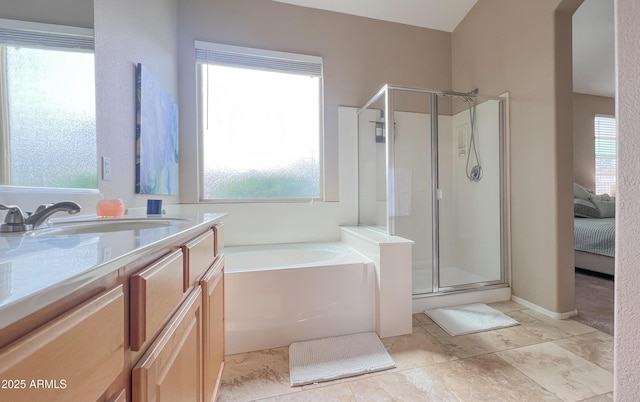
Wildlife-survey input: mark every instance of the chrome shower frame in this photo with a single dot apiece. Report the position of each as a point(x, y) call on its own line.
point(387, 91)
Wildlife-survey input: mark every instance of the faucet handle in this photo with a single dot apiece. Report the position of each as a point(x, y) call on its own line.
point(15, 214)
point(40, 208)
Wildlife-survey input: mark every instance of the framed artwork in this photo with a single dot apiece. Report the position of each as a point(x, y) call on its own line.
point(156, 137)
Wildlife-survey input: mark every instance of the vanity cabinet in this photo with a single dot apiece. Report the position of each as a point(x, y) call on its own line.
point(185, 361)
point(156, 334)
point(72, 358)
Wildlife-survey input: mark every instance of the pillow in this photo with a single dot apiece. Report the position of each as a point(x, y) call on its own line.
point(600, 197)
point(585, 209)
point(581, 192)
point(606, 209)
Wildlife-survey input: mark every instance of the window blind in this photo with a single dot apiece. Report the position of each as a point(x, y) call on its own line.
point(605, 150)
point(259, 59)
point(31, 34)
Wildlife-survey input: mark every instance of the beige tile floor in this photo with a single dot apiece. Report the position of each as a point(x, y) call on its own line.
point(539, 360)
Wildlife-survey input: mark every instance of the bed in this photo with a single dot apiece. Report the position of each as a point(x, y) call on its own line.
point(594, 230)
point(595, 244)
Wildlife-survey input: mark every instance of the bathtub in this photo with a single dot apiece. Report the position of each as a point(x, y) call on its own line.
point(278, 294)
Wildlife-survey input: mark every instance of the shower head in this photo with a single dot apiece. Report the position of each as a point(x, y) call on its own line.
point(469, 98)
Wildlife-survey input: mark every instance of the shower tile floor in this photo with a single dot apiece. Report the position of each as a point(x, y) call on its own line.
point(539, 360)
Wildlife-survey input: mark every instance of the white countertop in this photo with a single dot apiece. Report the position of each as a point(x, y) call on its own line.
point(38, 268)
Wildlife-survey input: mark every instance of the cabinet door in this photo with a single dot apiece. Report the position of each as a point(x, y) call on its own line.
point(171, 369)
point(213, 312)
point(75, 357)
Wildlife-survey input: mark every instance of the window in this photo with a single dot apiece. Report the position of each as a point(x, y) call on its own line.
point(47, 106)
point(605, 144)
point(260, 122)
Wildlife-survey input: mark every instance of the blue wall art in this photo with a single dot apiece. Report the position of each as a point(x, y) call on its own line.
point(156, 137)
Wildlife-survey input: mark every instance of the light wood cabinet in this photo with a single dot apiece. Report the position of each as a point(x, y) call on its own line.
point(156, 335)
point(174, 365)
point(171, 369)
point(119, 397)
point(156, 292)
point(74, 357)
point(213, 311)
point(198, 256)
point(218, 230)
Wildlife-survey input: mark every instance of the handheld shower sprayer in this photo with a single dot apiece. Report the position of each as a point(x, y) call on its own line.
point(475, 173)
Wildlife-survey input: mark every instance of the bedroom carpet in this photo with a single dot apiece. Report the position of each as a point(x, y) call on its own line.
point(594, 301)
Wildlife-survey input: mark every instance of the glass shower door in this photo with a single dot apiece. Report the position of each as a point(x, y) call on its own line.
point(469, 200)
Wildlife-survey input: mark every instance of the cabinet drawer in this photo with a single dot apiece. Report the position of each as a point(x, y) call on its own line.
point(171, 369)
point(218, 230)
point(156, 292)
point(199, 255)
point(72, 358)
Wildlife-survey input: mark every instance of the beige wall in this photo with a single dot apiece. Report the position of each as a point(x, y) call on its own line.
point(524, 63)
point(126, 33)
point(77, 13)
point(360, 55)
point(585, 109)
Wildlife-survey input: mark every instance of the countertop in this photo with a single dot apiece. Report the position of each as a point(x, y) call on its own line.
point(40, 267)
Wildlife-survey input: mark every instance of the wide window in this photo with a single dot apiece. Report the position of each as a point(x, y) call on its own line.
point(260, 122)
point(605, 146)
point(47, 106)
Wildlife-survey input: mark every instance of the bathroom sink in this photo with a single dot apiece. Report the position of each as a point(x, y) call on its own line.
point(88, 226)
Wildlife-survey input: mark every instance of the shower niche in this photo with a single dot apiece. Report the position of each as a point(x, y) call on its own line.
point(432, 169)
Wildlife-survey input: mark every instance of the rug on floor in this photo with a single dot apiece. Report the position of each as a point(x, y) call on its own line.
point(336, 357)
point(469, 319)
point(595, 301)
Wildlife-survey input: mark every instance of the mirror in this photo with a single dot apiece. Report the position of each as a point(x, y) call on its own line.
point(47, 94)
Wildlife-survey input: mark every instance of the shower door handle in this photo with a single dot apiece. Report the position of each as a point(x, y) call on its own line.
point(438, 193)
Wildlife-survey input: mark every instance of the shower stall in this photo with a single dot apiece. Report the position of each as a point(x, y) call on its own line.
point(432, 169)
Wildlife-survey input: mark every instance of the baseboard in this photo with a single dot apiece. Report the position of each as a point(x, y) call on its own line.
point(544, 311)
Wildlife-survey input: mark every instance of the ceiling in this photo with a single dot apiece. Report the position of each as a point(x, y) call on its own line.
point(593, 30)
point(443, 15)
point(594, 48)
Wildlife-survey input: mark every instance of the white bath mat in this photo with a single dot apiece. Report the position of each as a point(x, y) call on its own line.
point(470, 318)
point(336, 357)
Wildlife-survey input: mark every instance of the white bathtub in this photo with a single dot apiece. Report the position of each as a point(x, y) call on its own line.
point(278, 294)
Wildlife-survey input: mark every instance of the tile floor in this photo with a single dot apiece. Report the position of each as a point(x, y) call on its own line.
point(539, 360)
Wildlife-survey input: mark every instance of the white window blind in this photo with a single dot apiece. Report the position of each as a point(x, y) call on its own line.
point(605, 147)
point(31, 34)
point(258, 59)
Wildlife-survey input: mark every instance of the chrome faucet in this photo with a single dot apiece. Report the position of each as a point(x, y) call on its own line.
point(18, 221)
